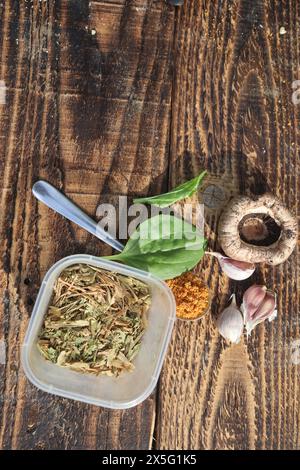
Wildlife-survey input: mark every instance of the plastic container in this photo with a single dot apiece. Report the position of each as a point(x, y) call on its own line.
point(125, 391)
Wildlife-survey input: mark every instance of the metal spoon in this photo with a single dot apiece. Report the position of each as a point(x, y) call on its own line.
point(57, 201)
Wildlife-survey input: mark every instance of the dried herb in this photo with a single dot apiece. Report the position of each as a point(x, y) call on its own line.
point(95, 321)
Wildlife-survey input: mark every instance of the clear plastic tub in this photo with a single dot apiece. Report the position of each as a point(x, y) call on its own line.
point(125, 391)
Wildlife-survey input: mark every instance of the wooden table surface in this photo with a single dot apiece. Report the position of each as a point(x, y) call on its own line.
point(115, 97)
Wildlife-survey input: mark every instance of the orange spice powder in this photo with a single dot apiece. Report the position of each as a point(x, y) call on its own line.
point(191, 295)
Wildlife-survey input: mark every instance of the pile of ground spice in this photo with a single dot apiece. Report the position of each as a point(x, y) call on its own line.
point(191, 295)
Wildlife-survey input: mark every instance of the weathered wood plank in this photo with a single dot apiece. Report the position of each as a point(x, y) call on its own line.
point(88, 109)
point(91, 113)
point(233, 114)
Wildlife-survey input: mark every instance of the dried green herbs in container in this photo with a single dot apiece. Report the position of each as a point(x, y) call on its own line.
point(95, 321)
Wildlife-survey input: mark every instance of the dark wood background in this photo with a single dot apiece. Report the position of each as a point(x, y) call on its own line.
point(132, 97)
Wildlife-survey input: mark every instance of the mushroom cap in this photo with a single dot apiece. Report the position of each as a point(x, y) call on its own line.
point(241, 206)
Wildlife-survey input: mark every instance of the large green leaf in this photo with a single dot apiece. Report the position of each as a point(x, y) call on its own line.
point(186, 189)
point(164, 245)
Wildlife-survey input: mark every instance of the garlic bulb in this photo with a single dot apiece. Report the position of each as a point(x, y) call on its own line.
point(258, 305)
point(237, 270)
point(230, 322)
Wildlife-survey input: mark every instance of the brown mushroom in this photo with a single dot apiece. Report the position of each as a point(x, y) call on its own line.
point(257, 230)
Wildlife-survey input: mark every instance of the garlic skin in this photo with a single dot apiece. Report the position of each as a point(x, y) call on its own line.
point(230, 323)
point(252, 299)
point(258, 305)
point(267, 307)
point(237, 270)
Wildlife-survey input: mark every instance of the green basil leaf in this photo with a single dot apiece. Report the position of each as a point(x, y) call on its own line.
point(186, 189)
point(164, 245)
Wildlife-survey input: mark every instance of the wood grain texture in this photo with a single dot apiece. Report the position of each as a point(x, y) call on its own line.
point(233, 113)
point(127, 97)
point(88, 109)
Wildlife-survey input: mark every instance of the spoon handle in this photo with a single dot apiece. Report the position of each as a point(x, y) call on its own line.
point(57, 201)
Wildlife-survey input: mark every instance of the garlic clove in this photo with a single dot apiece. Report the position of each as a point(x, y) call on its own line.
point(237, 270)
point(267, 307)
point(266, 310)
point(230, 322)
point(239, 264)
point(252, 299)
